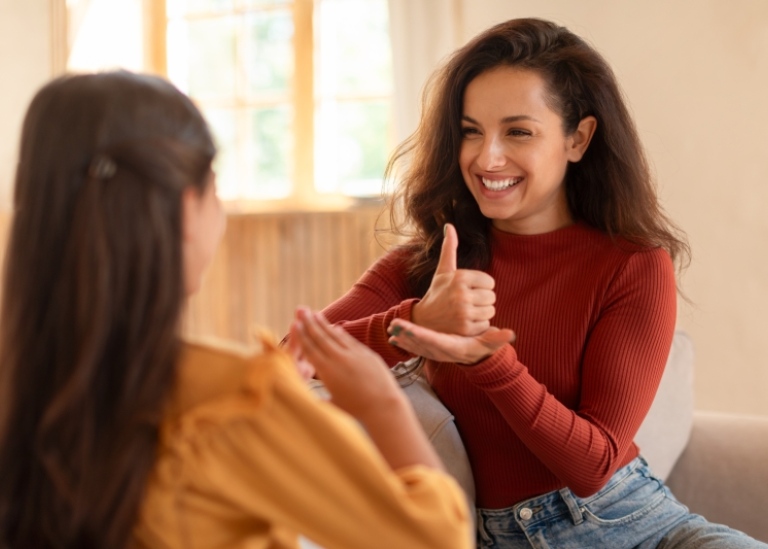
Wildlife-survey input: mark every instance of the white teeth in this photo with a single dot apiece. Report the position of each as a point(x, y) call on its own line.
point(502, 184)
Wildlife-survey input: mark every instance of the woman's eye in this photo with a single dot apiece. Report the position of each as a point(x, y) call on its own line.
point(519, 133)
point(466, 131)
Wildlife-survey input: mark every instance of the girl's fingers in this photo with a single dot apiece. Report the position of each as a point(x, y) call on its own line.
point(321, 340)
point(336, 337)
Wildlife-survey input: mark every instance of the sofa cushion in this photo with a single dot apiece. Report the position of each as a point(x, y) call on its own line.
point(723, 472)
point(437, 422)
point(665, 432)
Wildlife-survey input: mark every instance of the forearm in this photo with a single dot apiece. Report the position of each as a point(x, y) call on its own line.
point(581, 443)
point(398, 435)
point(372, 331)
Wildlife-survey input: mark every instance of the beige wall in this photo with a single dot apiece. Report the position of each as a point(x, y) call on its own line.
point(696, 76)
point(25, 63)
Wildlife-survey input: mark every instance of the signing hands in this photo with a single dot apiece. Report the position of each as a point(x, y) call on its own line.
point(362, 385)
point(452, 322)
point(458, 301)
point(357, 378)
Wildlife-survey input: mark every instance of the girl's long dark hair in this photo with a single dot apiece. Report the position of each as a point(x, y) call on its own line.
point(92, 295)
point(611, 188)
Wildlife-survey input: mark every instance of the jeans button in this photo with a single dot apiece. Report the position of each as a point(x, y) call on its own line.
point(525, 513)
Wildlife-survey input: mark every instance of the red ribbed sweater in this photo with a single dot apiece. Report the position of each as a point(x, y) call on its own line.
point(594, 323)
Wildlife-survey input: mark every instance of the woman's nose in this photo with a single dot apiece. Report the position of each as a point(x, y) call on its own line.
point(492, 154)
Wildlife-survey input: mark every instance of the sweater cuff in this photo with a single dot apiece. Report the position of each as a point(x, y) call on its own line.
point(502, 366)
point(405, 309)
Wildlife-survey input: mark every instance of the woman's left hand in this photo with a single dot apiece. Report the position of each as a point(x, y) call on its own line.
point(442, 347)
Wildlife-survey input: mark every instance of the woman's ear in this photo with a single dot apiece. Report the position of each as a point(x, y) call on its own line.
point(579, 140)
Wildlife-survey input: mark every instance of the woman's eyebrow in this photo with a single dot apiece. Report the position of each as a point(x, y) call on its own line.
point(505, 120)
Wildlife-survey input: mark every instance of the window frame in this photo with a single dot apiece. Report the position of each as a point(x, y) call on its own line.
point(304, 195)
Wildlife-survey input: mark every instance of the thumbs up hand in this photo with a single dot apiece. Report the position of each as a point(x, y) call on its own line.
point(458, 301)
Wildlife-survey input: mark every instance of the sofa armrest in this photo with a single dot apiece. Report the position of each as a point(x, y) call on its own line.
point(723, 471)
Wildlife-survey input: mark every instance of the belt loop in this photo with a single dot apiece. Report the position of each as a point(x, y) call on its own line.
point(483, 539)
point(573, 505)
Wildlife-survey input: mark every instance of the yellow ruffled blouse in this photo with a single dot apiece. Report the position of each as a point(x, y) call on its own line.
point(248, 458)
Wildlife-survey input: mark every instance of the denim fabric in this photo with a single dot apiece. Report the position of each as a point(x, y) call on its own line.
point(634, 510)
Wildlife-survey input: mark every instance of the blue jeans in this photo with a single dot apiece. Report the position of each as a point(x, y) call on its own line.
point(634, 510)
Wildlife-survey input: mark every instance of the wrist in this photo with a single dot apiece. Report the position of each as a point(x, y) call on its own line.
point(384, 410)
point(414, 312)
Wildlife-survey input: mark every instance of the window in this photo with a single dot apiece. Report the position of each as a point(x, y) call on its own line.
point(297, 92)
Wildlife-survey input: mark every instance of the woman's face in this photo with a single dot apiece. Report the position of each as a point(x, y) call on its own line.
point(514, 152)
point(204, 222)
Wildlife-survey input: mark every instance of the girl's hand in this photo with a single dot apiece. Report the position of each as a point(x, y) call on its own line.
point(358, 379)
point(303, 366)
point(458, 301)
point(442, 347)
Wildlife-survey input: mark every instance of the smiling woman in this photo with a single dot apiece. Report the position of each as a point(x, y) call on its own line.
point(539, 285)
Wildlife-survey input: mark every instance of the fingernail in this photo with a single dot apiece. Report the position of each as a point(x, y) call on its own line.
point(409, 333)
point(445, 228)
point(396, 330)
point(393, 343)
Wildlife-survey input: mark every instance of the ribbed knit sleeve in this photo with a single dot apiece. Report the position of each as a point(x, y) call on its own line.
point(378, 297)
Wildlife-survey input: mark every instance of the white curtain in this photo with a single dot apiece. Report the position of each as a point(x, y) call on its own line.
point(423, 33)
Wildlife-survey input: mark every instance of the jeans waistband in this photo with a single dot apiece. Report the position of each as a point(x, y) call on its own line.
point(558, 503)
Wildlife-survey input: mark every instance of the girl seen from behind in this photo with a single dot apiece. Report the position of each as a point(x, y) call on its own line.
point(114, 432)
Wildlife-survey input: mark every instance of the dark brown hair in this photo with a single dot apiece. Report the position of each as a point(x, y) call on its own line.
point(93, 291)
point(610, 189)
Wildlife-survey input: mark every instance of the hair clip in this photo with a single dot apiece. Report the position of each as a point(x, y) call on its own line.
point(102, 167)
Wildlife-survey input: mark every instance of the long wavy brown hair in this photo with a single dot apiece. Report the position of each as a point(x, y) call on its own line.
point(610, 189)
point(93, 291)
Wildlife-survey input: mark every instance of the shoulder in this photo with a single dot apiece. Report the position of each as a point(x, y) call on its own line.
point(623, 271)
point(214, 374)
point(625, 254)
point(397, 257)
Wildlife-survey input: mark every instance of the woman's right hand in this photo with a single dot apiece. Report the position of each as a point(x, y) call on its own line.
point(442, 347)
point(458, 301)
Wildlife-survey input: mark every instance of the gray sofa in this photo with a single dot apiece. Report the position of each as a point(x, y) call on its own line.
point(715, 463)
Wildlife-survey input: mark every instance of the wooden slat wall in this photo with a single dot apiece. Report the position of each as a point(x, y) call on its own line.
point(270, 263)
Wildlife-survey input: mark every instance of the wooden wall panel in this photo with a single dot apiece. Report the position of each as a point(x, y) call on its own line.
point(271, 263)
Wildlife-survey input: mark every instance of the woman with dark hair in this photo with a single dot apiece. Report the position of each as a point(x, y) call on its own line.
point(113, 431)
point(529, 206)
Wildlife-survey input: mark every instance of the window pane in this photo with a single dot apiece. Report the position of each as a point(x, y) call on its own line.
point(264, 3)
point(201, 55)
point(223, 126)
point(105, 34)
point(354, 59)
point(178, 8)
point(270, 148)
point(351, 147)
point(269, 52)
